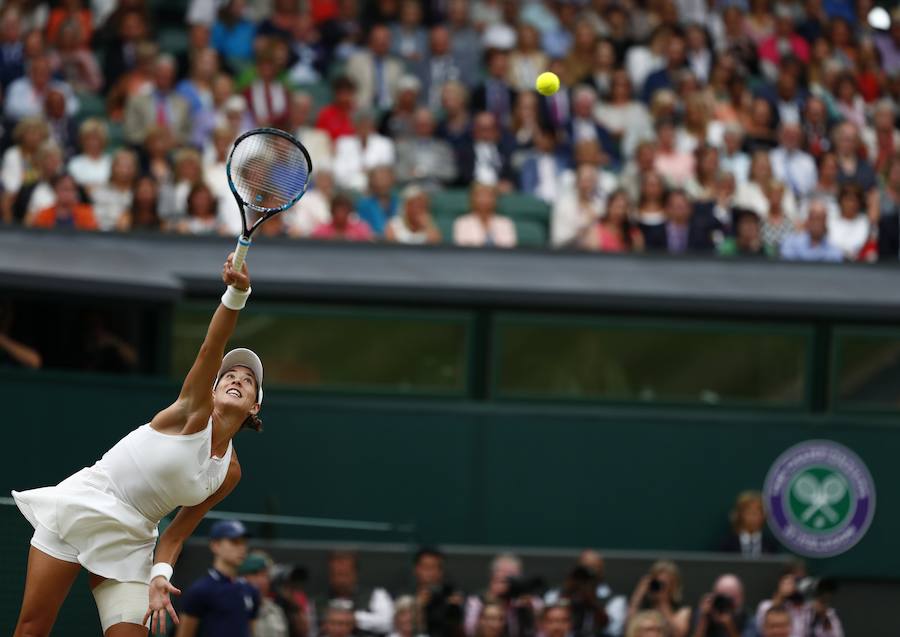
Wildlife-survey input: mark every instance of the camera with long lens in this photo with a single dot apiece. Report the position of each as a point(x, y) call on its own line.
point(521, 586)
point(810, 588)
point(722, 604)
point(655, 586)
point(442, 616)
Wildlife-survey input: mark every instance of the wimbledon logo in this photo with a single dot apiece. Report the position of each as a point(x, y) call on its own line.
point(820, 498)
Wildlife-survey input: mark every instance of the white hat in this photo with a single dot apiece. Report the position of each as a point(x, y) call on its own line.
point(246, 358)
point(499, 36)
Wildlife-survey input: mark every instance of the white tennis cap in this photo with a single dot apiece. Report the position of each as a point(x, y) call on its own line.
point(246, 358)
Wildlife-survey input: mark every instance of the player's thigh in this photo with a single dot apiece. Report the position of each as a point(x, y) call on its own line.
point(126, 630)
point(121, 606)
point(46, 585)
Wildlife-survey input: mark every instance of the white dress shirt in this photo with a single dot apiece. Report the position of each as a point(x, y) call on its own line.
point(848, 235)
point(22, 100)
point(487, 164)
point(352, 162)
point(90, 172)
point(797, 169)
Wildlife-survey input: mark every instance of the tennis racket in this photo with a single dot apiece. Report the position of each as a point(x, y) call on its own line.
point(268, 171)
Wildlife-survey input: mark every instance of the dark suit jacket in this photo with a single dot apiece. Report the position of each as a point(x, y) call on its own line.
point(467, 162)
point(116, 63)
point(479, 99)
point(701, 228)
point(606, 141)
point(656, 81)
point(889, 238)
point(528, 174)
point(768, 92)
point(12, 63)
point(731, 543)
point(558, 121)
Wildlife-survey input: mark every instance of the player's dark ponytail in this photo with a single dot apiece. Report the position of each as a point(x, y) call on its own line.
point(253, 422)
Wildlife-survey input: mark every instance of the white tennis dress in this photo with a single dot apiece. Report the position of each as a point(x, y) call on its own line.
point(109, 512)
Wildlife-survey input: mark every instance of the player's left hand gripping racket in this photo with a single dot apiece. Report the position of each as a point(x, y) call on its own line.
point(268, 171)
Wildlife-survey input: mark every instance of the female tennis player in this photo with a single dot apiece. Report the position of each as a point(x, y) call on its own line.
point(104, 518)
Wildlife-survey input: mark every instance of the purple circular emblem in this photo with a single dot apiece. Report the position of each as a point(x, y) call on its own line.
point(819, 498)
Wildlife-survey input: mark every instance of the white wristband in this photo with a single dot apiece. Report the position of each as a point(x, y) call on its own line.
point(235, 299)
point(161, 568)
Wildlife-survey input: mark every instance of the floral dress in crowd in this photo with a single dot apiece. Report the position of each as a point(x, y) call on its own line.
point(774, 231)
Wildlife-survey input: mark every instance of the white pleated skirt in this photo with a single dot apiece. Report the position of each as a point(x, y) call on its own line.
point(113, 539)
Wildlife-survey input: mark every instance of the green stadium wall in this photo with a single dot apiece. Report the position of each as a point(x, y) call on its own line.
point(472, 473)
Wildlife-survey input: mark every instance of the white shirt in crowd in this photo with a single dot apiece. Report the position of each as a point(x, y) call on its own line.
point(307, 214)
point(378, 618)
point(227, 211)
point(750, 195)
point(12, 170)
point(403, 234)
point(318, 143)
point(109, 205)
point(43, 196)
point(797, 169)
point(640, 62)
point(848, 235)
point(632, 121)
point(22, 100)
point(90, 172)
point(570, 218)
point(548, 178)
point(737, 164)
point(352, 162)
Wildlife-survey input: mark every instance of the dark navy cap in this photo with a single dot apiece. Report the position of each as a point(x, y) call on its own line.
point(230, 529)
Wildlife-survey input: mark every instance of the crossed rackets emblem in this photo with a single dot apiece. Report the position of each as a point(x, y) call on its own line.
point(820, 496)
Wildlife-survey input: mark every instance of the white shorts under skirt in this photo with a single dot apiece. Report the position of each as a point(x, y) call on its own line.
point(46, 541)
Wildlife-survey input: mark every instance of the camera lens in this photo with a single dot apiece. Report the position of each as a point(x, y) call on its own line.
point(722, 604)
point(655, 586)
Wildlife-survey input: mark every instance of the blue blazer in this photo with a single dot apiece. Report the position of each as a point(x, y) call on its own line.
point(528, 175)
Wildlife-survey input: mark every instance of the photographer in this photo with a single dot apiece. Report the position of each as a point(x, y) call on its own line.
point(808, 601)
point(438, 610)
point(517, 597)
point(596, 611)
point(373, 607)
point(660, 590)
point(721, 612)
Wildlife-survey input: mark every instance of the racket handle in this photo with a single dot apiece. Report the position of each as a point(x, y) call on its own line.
point(240, 253)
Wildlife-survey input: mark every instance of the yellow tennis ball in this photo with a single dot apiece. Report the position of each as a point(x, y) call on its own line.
point(547, 83)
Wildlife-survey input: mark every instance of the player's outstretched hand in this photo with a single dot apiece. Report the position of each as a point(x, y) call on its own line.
point(160, 604)
point(240, 280)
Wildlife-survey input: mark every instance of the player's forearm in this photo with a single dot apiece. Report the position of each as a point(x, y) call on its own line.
point(195, 392)
point(221, 327)
point(168, 549)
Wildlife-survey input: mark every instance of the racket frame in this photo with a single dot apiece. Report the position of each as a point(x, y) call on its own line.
point(243, 242)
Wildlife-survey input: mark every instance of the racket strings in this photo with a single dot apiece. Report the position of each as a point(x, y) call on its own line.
point(268, 171)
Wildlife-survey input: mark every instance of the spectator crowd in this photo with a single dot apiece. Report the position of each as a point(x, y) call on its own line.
point(732, 127)
point(274, 600)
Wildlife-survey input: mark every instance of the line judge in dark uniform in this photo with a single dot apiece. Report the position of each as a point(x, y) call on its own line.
point(221, 604)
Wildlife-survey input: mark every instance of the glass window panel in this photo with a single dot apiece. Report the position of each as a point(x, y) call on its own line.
point(659, 362)
point(339, 348)
point(867, 369)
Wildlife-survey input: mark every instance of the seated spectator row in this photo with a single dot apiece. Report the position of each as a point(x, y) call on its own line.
point(724, 128)
point(513, 603)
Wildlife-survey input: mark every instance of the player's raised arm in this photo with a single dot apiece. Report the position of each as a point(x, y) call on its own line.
point(195, 400)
